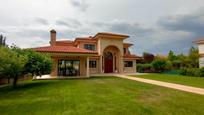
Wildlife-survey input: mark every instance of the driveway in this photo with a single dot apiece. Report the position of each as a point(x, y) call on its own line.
point(165, 84)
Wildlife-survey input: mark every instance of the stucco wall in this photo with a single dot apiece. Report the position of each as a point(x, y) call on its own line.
point(130, 69)
point(201, 62)
point(201, 48)
point(95, 70)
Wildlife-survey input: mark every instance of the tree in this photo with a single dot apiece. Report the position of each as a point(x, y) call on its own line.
point(171, 56)
point(2, 40)
point(11, 64)
point(148, 57)
point(159, 65)
point(38, 64)
point(194, 57)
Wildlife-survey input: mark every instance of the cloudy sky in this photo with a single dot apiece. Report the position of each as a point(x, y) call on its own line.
point(155, 26)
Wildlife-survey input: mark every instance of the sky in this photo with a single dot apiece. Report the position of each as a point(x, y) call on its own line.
point(154, 26)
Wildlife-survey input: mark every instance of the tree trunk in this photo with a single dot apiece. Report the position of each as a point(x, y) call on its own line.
point(15, 80)
point(9, 80)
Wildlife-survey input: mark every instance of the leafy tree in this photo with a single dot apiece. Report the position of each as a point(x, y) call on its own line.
point(148, 57)
point(171, 56)
point(159, 65)
point(11, 64)
point(194, 57)
point(38, 64)
point(2, 40)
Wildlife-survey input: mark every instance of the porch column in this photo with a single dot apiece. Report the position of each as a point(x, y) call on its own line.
point(87, 67)
point(101, 64)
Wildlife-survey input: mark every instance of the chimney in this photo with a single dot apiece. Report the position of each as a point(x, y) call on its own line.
point(52, 37)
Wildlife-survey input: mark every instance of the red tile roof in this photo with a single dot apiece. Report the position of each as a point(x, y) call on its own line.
point(131, 56)
point(64, 43)
point(63, 49)
point(111, 34)
point(114, 34)
point(200, 41)
point(127, 44)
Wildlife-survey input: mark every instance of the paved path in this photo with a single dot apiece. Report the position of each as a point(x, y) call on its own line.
point(165, 84)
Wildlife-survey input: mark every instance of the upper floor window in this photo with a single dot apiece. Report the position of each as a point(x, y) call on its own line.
point(128, 64)
point(89, 46)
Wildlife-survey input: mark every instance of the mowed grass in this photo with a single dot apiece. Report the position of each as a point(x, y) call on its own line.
point(179, 79)
point(97, 96)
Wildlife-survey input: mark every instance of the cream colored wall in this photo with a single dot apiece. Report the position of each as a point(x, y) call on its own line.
point(95, 70)
point(54, 68)
point(201, 48)
point(201, 62)
point(130, 69)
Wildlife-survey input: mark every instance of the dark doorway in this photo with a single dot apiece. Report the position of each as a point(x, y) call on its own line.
point(108, 62)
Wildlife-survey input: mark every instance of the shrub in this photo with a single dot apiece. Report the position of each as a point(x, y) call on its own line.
point(196, 72)
point(202, 72)
point(144, 68)
point(159, 65)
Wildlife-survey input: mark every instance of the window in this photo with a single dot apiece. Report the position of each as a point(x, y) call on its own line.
point(124, 49)
point(92, 64)
point(89, 46)
point(68, 67)
point(128, 64)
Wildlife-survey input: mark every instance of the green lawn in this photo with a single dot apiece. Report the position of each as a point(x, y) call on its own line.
point(97, 96)
point(179, 79)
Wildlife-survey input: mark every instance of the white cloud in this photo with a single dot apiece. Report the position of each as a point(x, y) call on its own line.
point(27, 22)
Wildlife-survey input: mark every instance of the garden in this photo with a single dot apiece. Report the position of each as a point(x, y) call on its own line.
point(179, 64)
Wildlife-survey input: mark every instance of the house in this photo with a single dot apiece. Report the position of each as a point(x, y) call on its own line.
point(102, 53)
point(200, 44)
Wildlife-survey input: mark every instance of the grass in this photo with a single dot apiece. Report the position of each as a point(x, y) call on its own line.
point(97, 96)
point(179, 79)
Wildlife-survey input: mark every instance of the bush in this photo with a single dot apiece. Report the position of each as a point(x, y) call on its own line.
point(159, 65)
point(202, 72)
point(144, 68)
point(196, 72)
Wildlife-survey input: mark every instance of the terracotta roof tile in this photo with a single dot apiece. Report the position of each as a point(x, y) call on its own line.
point(64, 43)
point(200, 41)
point(113, 34)
point(127, 44)
point(132, 56)
point(63, 49)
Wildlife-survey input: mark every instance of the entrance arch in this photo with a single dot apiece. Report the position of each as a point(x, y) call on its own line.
point(111, 59)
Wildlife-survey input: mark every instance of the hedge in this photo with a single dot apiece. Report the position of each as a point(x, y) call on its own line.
point(196, 72)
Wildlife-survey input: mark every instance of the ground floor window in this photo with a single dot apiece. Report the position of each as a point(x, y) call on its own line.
point(68, 67)
point(92, 64)
point(128, 64)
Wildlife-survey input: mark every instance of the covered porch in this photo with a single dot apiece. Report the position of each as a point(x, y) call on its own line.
point(70, 65)
point(68, 61)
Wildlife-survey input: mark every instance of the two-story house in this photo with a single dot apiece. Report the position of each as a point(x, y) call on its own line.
point(102, 53)
point(200, 44)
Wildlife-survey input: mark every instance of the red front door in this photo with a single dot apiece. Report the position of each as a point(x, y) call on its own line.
point(108, 62)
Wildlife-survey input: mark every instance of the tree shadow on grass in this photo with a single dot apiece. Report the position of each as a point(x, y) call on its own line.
point(25, 86)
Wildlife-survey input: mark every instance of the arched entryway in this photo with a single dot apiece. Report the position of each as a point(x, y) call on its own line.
point(111, 59)
point(108, 62)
